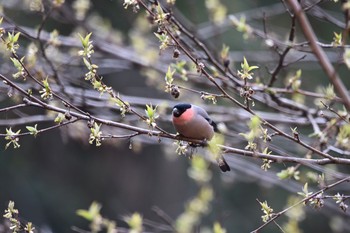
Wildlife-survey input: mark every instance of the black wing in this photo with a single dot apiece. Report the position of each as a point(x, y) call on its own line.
point(212, 123)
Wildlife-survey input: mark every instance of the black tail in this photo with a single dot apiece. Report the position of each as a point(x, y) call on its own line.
point(223, 164)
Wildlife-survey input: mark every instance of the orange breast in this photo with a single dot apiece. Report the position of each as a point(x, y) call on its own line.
point(184, 118)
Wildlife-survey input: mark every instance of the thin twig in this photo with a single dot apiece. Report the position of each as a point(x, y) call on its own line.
point(280, 64)
point(43, 51)
point(284, 159)
point(277, 215)
point(12, 107)
point(319, 53)
point(164, 216)
point(45, 129)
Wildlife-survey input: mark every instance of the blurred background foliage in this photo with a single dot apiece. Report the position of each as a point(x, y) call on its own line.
point(53, 175)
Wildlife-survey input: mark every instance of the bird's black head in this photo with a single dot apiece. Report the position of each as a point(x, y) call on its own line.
point(179, 109)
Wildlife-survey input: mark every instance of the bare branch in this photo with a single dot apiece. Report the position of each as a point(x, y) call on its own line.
point(277, 215)
point(318, 51)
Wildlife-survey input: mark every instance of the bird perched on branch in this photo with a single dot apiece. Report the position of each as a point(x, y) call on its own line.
point(194, 122)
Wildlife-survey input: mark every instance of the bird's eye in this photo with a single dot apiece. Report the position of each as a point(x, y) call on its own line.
point(176, 112)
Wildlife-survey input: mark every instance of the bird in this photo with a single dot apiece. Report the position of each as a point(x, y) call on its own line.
point(193, 122)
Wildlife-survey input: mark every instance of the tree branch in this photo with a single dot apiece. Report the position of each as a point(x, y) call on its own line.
point(320, 54)
point(277, 215)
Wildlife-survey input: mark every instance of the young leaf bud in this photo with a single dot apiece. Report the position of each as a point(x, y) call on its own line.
point(226, 63)
point(176, 53)
point(67, 115)
point(175, 92)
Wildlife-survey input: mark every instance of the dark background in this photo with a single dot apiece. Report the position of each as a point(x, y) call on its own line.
point(53, 175)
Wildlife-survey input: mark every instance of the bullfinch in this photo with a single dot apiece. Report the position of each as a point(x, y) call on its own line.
point(194, 122)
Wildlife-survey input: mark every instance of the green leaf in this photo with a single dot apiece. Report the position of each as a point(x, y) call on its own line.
point(15, 62)
point(329, 92)
point(87, 63)
point(151, 115)
point(9, 37)
point(85, 40)
point(91, 213)
point(245, 72)
point(294, 130)
point(289, 173)
point(135, 222)
point(305, 191)
point(217, 228)
point(29, 227)
point(149, 111)
point(59, 118)
point(283, 174)
point(214, 143)
point(337, 39)
point(267, 210)
point(169, 76)
point(343, 136)
point(33, 130)
point(95, 134)
point(298, 73)
point(245, 65)
point(224, 54)
point(16, 37)
point(13, 138)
